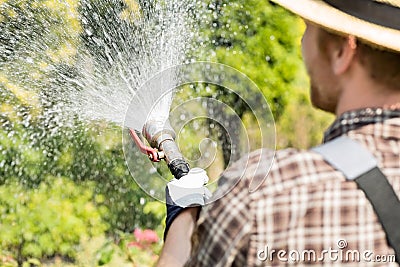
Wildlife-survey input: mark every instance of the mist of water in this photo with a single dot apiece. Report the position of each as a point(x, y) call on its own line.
point(91, 58)
point(149, 42)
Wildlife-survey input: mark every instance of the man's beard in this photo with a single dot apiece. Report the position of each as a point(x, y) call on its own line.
point(320, 101)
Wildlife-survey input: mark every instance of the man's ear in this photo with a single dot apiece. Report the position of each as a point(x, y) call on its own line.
point(344, 55)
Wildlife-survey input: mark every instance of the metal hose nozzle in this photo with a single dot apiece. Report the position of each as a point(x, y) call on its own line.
point(160, 135)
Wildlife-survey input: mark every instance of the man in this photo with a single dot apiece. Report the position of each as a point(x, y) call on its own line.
point(352, 53)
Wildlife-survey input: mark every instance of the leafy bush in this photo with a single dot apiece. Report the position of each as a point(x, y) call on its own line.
point(140, 248)
point(48, 221)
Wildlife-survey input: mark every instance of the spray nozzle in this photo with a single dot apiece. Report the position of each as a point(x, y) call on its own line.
point(161, 138)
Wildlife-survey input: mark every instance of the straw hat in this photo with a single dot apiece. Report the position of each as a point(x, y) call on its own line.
point(375, 21)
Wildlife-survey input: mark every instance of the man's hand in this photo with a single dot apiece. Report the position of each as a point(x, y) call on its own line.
point(188, 191)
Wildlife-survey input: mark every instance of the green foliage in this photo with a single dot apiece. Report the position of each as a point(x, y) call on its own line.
point(49, 220)
point(155, 208)
point(105, 253)
point(91, 152)
point(262, 40)
point(139, 248)
point(301, 125)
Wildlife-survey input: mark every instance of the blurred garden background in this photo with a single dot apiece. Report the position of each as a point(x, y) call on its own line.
point(67, 197)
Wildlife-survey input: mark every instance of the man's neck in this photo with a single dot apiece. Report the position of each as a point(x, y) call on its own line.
point(361, 92)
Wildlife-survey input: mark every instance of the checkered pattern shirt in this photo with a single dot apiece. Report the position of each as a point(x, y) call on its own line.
point(303, 207)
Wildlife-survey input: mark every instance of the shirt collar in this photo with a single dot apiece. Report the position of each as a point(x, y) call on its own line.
point(355, 119)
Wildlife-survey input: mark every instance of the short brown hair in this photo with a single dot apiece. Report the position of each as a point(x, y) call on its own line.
point(383, 66)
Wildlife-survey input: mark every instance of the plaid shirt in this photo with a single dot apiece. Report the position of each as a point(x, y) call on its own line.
point(303, 207)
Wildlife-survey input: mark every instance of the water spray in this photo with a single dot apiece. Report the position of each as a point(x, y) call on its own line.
point(161, 137)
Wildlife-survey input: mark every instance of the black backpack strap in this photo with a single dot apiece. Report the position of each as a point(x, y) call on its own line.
point(359, 165)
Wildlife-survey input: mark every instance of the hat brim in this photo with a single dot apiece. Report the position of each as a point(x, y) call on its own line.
point(329, 17)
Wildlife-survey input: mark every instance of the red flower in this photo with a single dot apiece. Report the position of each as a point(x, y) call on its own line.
point(146, 236)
